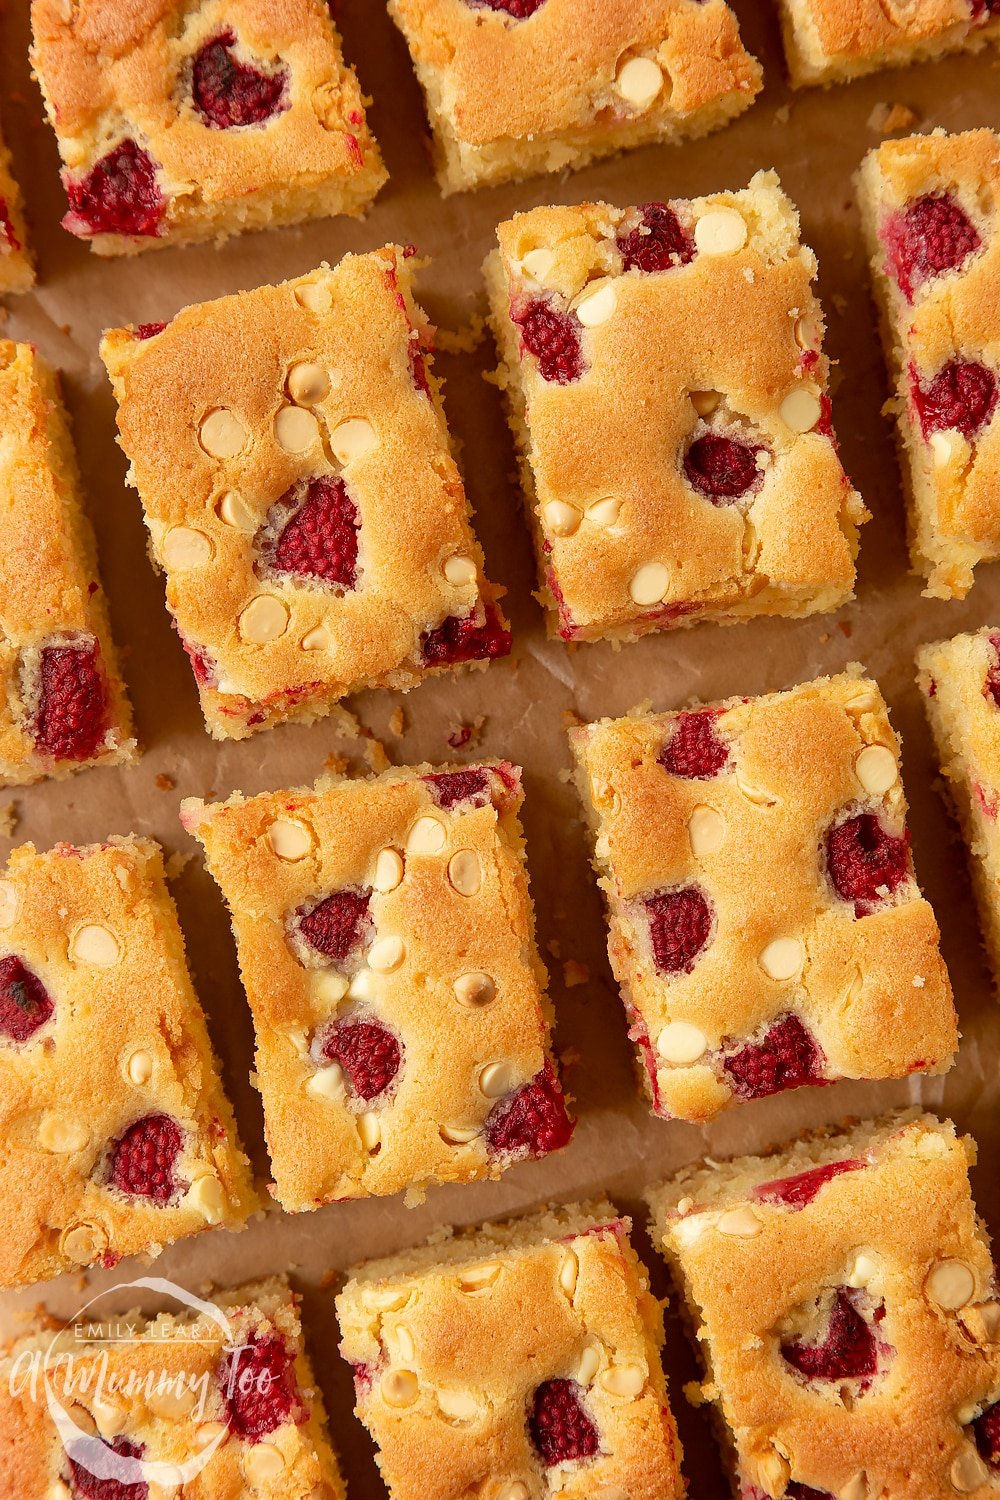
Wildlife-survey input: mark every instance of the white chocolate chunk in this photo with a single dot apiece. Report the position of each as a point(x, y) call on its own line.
point(514, 1491)
point(289, 839)
point(474, 989)
point(370, 1131)
point(944, 446)
point(624, 1380)
point(222, 434)
point(721, 231)
point(459, 1406)
point(473, 1279)
point(210, 1434)
point(801, 409)
point(95, 944)
point(317, 639)
point(569, 1271)
point(10, 903)
point(83, 1243)
point(265, 619)
point(783, 958)
point(139, 1067)
point(458, 1135)
point(327, 986)
point(706, 830)
point(538, 263)
point(327, 1083)
point(427, 836)
point(605, 512)
point(968, 1471)
point(388, 871)
point(649, 584)
point(185, 547)
point(262, 1463)
point(951, 1284)
point(639, 81)
point(590, 1363)
point(680, 1042)
point(171, 1402)
point(561, 519)
point(741, 1222)
point(386, 954)
point(232, 510)
point(497, 1079)
point(314, 296)
point(207, 1197)
point(863, 1272)
point(856, 1488)
point(362, 986)
point(109, 1416)
point(62, 1135)
point(597, 307)
point(465, 872)
point(460, 571)
point(307, 383)
point(705, 402)
point(352, 439)
point(876, 769)
point(296, 430)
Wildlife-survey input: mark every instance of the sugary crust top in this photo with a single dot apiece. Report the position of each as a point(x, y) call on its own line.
point(98, 929)
point(485, 928)
point(566, 64)
point(463, 1330)
point(846, 31)
point(872, 989)
point(752, 1272)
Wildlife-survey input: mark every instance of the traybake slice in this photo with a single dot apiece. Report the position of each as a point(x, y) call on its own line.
point(515, 1361)
point(843, 1296)
point(17, 273)
point(178, 123)
point(667, 391)
point(831, 41)
point(386, 941)
point(292, 457)
point(766, 926)
point(116, 1136)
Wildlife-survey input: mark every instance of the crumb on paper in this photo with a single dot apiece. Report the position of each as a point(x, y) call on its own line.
point(569, 1058)
point(462, 340)
point(824, 637)
point(886, 119)
point(783, 115)
point(397, 722)
point(575, 973)
point(335, 763)
point(374, 753)
point(467, 734)
point(554, 947)
point(570, 719)
point(164, 783)
point(9, 819)
point(177, 863)
point(840, 302)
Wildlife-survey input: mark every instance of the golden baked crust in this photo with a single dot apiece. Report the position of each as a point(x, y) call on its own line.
point(894, 1235)
point(737, 920)
point(367, 427)
point(115, 71)
point(50, 593)
point(827, 41)
point(450, 1344)
point(573, 102)
point(929, 322)
point(438, 957)
point(183, 1380)
point(125, 1041)
point(17, 273)
point(726, 341)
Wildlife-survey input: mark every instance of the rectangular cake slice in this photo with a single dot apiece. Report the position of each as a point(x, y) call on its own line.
point(17, 273)
point(831, 41)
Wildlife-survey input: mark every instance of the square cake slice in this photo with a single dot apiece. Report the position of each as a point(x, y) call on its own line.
point(178, 123)
point(116, 1136)
point(17, 273)
point(931, 211)
point(386, 941)
point(291, 453)
point(844, 1301)
point(766, 926)
point(63, 704)
point(831, 41)
point(589, 82)
point(219, 1399)
point(515, 1361)
point(667, 391)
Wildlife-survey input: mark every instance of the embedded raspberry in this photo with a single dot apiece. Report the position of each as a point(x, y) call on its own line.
point(368, 1053)
point(659, 242)
point(320, 539)
point(143, 1159)
point(722, 468)
point(962, 396)
point(532, 1121)
point(259, 1387)
point(680, 925)
point(120, 195)
point(149, 330)
point(848, 1352)
point(694, 750)
point(7, 235)
point(71, 718)
point(228, 92)
point(560, 1428)
point(798, 1191)
point(338, 925)
point(553, 337)
point(470, 639)
point(786, 1058)
point(518, 10)
point(986, 1430)
point(87, 1486)
point(796, 1491)
point(450, 787)
point(25, 1003)
point(991, 687)
point(866, 863)
point(929, 237)
point(202, 664)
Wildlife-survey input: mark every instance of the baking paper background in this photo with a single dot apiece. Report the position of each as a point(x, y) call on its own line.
point(815, 140)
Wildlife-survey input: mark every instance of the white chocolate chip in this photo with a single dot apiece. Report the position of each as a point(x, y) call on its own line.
point(801, 409)
point(403, 1340)
point(856, 1488)
point(705, 402)
point(597, 307)
point(538, 263)
point(207, 1197)
point(944, 446)
point(605, 512)
point(327, 986)
point(876, 769)
point(95, 944)
point(388, 870)
point(296, 430)
point(427, 836)
point(262, 1463)
point(774, 1471)
point(649, 584)
point(569, 1271)
point(982, 1322)
point(968, 1471)
point(590, 1363)
point(783, 958)
point(755, 794)
point(171, 1403)
point(289, 839)
point(680, 1042)
point(352, 439)
point(307, 383)
point(234, 511)
point(209, 1434)
point(222, 434)
point(639, 81)
point(458, 1135)
point(706, 830)
point(265, 619)
point(10, 901)
point(721, 231)
point(474, 989)
point(497, 1079)
point(459, 1406)
point(362, 986)
point(465, 872)
point(514, 1491)
point(139, 1068)
point(386, 954)
point(741, 1222)
point(58, 1491)
point(623, 1380)
point(951, 1284)
point(370, 1131)
point(561, 519)
point(82, 1420)
point(108, 1415)
point(327, 1083)
point(184, 547)
point(863, 1272)
point(475, 1279)
point(459, 571)
point(83, 1243)
point(317, 639)
point(385, 1298)
point(314, 296)
point(62, 1135)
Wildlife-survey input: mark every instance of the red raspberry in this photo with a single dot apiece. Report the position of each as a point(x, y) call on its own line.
point(849, 1350)
point(149, 330)
point(987, 1434)
point(202, 664)
point(259, 1387)
point(518, 10)
point(933, 234)
point(143, 1159)
point(786, 1058)
point(449, 787)
point(798, 1191)
point(474, 638)
point(991, 687)
point(368, 1053)
point(962, 395)
point(865, 862)
point(338, 925)
point(320, 539)
point(532, 1121)
point(7, 235)
point(25, 1003)
point(553, 337)
point(694, 750)
point(722, 468)
point(120, 195)
point(228, 92)
point(560, 1428)
point(680, 925)
point(87, 1486)
point(795, 1491)
point(418, 369)
point(71, 718)
point(658, 243)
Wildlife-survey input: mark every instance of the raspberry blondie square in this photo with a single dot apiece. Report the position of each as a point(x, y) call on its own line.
point(831, 41)
point(16, 271)
point(825, 1284)
point(588, 83)
point(515, 1361)
point(220, 1400)
point(116, 1136)
point(180, 122)
point(386, 941)
point(63, 704)
point(931, 210)
point(290, 449)
point(667, 390)
point(766, 926)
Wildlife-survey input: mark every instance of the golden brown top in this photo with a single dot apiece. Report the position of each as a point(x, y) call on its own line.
point(829, 36)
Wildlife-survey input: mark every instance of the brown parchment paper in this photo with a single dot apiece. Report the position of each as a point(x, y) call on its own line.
point(815, 140)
